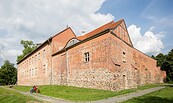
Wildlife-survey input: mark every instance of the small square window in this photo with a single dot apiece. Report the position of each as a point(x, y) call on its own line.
point(86, 57)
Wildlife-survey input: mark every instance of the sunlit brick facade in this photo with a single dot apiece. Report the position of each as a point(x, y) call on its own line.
point(103, 58)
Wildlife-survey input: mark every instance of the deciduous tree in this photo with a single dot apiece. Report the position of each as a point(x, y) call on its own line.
point(29, 46)
point(166, 64)
point(8, 73)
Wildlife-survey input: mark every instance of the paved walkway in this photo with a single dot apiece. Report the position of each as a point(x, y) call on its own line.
point(115, 99)
point(128, 96)
point(42, 97)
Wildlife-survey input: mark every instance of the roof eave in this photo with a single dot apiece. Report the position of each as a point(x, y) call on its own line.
point(47, 41)
point(82, 41)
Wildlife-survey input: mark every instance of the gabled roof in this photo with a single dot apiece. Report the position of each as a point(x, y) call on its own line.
point(47, 41)
point(109, 25)
point(63, 31)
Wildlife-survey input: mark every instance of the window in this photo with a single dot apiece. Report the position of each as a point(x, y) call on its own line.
point(124, 57)
point(72, 42)
point(44, 53)
point(29, 61)
point(35, 71)
point(86, 57)
point(35, 58)
point(44, 68)
point(32, 72)
point(38, 56)
point(27, 73)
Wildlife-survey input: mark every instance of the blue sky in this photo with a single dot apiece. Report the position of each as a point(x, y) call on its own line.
point(149, 22)
point(146, 14)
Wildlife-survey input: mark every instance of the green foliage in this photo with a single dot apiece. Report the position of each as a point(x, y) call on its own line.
point(160, 59)
point(161, 96)
point(8, 73)
point(8, 96)
point(166, 64)
point(29, 46)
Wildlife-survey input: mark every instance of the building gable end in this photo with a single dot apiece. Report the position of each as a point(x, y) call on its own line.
point(121, 32)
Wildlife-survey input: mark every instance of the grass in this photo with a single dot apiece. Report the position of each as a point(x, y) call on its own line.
point(162, 96)
point(71, 93)
point(148, 86)
point(80, 94)
point(8, 96)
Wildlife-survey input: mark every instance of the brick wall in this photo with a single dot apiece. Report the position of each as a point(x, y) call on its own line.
point(106, 62)
point(113, 65)
point(36, 69)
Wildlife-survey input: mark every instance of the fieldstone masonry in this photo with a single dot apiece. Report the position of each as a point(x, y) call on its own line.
point(111, 63)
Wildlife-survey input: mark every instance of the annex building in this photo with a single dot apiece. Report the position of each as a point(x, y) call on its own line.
point(103, 59)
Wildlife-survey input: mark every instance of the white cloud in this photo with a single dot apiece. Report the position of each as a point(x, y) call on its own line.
point(148, 43)
point(37, 20)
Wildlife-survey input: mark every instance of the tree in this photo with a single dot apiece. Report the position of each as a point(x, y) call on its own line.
point(169, 66)
point(8, 73)
point(29, 46)
point(161, 59)
point(166, 64)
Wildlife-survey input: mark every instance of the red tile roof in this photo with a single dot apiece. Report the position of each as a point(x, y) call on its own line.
point(109, 25)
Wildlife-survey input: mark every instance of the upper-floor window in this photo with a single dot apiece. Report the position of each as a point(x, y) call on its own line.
point(32, 60)
point(86, 57)
point(35, 71)
point(124, 57)
point(38, 56)
point(44, 68)
point(29, 61)
point(72, 41)
point(44, 53)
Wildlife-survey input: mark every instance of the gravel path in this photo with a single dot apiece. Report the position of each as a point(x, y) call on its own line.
point(115, 99)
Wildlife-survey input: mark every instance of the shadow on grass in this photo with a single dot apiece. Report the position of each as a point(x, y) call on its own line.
point(151, 99)
point(168, 85)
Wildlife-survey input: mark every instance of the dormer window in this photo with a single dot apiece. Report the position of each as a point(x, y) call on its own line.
point(72, 42)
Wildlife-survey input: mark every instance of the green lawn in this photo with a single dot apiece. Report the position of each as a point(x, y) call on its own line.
point(71, 93)
point(162, 96)
point(149, 86)
point(7, 96)
point(79, 94)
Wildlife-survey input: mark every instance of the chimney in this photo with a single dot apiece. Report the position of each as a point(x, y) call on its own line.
point(83, 32)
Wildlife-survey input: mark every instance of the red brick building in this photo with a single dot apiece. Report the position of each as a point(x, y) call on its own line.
point(103, 58)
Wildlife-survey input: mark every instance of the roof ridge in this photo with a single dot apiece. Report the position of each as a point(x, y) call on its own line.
point(109, 25)
point(115, 24)
point(61, 31)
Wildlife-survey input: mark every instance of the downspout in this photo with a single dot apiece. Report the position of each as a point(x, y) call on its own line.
point(66, 52)
point(50, 43)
